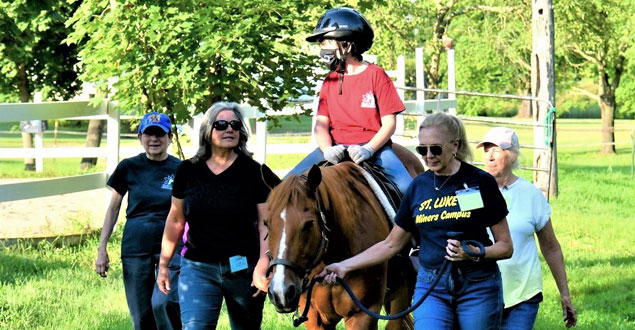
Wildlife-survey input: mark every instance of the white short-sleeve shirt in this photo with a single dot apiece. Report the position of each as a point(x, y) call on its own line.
point(529, 212)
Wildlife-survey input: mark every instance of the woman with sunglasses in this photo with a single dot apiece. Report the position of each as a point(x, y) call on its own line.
point(147, 179)
point(529, 217)
point(220, 193)
point(451, 202)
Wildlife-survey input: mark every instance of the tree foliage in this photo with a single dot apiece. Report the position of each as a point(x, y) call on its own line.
point(177, 55)
point(32, 54)
point(598, 38)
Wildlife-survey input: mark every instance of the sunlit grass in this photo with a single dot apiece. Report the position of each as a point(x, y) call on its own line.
point(47, 286)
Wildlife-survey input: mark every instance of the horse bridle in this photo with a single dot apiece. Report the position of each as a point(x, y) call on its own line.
point(324, 244)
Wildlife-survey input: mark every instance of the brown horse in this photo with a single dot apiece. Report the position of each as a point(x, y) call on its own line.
point(322, 218)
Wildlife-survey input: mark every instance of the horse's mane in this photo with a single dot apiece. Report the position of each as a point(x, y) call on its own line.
point(343, 191)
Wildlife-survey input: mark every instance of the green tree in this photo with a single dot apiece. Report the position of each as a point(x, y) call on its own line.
point(403, 25)
point(33, 57)
point(599, 40)
point(176, 56)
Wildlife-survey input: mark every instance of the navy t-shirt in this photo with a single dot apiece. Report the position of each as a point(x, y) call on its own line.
point(431, 214)
point(221, 209)
point(149, 187)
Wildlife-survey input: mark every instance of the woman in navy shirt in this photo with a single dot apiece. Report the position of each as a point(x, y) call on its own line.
point(452, 196)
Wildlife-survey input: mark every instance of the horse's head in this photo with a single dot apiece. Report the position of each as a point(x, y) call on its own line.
point(296, 237)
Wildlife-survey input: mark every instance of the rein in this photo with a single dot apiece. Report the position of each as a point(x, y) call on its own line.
point(444, 267)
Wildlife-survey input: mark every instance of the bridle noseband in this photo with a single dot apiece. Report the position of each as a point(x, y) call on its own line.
point(324, 243)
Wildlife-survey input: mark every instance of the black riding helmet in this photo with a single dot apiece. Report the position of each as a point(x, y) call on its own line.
point(344, 24)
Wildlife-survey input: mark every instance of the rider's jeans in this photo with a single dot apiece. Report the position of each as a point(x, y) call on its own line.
point(459, 301)
point(203, 286)
point(384, 157)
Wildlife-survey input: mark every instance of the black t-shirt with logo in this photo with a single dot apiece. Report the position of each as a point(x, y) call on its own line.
point(430, 214)
point(149, 187)
point(221, 209)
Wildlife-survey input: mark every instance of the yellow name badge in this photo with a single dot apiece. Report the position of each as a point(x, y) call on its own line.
point(237, 263)
point(469, 199)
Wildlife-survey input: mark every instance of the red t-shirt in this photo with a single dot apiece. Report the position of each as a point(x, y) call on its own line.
point(356, 114)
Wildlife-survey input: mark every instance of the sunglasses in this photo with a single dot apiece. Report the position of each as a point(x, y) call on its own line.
point(221, 125)
point(436, 150)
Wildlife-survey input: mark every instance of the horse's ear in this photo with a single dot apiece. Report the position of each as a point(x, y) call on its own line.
point(314, 178)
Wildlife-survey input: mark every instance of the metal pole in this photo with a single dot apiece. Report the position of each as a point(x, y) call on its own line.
point(502, 96)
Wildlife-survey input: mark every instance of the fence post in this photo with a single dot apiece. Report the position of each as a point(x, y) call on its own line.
point(261, 138)
point(401, 82)
point(421, 83)
point(196, 130)
point(449, 47)
point(112, 136)
point(633, 153)
point(38, 137)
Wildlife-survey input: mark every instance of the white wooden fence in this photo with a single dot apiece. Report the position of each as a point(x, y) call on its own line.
point(82, 110)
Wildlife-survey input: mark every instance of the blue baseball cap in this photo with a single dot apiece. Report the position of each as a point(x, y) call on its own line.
point(155, 119)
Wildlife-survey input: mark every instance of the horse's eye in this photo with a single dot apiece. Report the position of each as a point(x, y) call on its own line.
point(266, 223)
point(308, 225)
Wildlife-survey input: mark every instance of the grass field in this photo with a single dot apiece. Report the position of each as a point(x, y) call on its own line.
point(47, 286)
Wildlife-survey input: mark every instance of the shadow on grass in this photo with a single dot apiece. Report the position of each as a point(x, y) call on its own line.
point(113, 321)
point(616, 261)
point(18, 268)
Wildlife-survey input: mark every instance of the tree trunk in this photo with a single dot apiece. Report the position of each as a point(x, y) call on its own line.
point(607, 112)
point(25, 95)
point(93, 139)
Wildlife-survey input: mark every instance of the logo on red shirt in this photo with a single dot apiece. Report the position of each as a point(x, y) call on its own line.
point(368, 100)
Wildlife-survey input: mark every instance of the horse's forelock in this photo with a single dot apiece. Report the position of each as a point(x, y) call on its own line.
point(288, 192)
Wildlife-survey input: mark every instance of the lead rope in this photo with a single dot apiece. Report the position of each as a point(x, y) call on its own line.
point(444, 267)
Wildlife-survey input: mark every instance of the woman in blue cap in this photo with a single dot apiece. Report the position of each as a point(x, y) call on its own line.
point(147, 178)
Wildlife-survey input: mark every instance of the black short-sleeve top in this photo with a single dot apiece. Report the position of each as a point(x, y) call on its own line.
point(148, 184)
point(221, 209)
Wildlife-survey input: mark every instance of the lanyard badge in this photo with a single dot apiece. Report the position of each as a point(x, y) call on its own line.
point(237, 263)
point(469, 198)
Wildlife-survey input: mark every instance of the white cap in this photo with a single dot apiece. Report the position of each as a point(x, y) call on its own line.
point(503, 137)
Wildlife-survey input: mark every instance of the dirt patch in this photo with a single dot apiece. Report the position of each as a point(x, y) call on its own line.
point(61, 215)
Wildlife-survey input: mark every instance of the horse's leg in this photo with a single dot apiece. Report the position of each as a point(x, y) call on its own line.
point(315, 320)
point(398, 301)
point(409, 160)
point(361, 320)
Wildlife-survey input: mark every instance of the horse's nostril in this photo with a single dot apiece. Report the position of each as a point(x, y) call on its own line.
point(290, 294)
point(272, 297)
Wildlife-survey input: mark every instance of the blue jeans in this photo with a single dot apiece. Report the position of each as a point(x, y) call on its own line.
point(523, 315)
point(458, 302)
point(149, 307)
point(384, 157)
point(203, 286)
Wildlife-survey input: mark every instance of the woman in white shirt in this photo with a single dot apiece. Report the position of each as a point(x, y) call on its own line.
point(529, 213)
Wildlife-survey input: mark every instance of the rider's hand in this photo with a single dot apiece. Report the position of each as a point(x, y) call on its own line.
point(332, 271)
point(334, 154)
point(163, 279)
point(103, 263)
point(360, 153)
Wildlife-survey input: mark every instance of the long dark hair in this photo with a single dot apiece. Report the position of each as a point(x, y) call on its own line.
point(205, 135)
